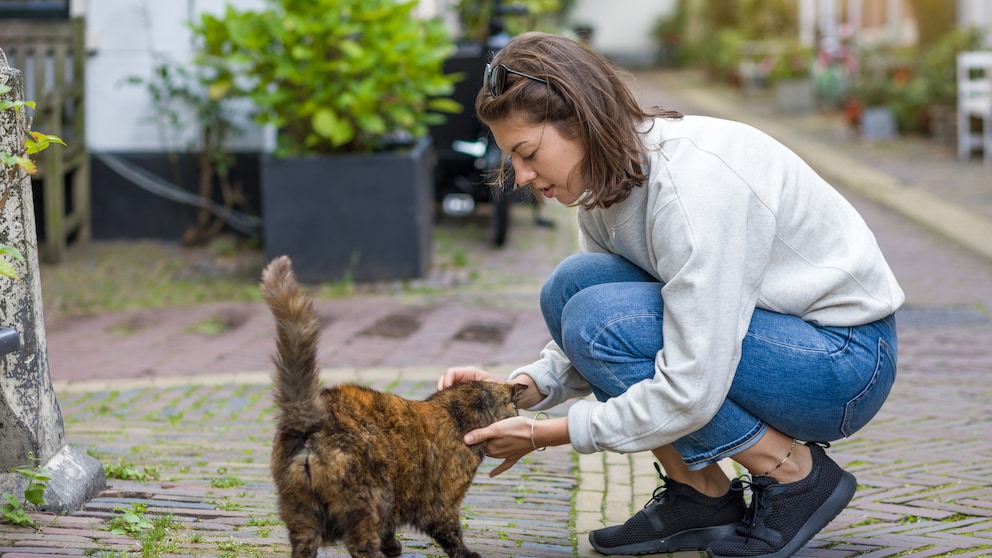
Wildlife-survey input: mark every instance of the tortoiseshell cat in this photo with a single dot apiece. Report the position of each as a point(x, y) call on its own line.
point(353, 464)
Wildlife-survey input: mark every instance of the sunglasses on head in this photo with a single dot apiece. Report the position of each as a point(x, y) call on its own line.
point(495, 78)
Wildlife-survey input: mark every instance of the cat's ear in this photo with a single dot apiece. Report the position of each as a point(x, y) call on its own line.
point(518, 391)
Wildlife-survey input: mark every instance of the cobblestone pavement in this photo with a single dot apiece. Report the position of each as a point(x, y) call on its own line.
point(189, 413)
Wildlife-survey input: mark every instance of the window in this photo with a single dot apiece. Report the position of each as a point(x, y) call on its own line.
point(34, 9)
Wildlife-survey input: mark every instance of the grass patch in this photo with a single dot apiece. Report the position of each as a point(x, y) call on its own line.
point(227, 481)
point(158, 535)
point(126, 470)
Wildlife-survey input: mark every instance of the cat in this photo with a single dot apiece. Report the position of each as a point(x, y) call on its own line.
point(351, 463)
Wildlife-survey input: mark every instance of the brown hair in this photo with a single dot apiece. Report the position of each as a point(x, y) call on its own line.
point(585, 99)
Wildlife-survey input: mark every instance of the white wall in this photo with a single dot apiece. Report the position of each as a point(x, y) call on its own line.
point(622, 28)
point(123, 37)
point(977, 13)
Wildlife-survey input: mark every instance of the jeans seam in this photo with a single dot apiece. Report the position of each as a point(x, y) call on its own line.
point(831, 352)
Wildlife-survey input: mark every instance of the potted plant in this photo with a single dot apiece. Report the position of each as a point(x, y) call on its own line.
point(936, 82)
point(350, 88)
point(790, 75)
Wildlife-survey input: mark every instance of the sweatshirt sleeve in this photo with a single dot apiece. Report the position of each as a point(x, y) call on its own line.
point(555, 377)
point(711, 237)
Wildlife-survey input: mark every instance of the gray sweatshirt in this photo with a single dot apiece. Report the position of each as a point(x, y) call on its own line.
point(728, 220)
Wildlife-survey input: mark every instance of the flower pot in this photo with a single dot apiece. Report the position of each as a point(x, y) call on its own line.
point(794, 96)
point(362, 217)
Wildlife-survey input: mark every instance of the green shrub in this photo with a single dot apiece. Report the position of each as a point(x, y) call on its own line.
point(332, 75)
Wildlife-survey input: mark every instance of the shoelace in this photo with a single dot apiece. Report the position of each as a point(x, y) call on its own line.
point(659, 492)
point(745, 482)
point(742, 483)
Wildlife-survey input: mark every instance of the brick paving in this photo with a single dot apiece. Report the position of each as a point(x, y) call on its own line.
point(146, 388)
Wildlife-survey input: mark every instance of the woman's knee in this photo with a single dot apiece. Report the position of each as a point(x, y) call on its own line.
point(571, 275)
point(586, 269)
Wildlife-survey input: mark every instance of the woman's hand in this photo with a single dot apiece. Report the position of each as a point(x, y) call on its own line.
point(512, 438)
point(459, 374)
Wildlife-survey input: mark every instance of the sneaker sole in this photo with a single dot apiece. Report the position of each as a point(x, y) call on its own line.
point(830, 509)
point(690, 539)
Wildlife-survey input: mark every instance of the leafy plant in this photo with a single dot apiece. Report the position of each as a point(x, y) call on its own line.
point(177, 90)
point(33, 143)
point(475, 16)
point(125, 470)
point(332, 75)
point(907, 81)
point(131, 521)
point(793, 60)
point(936, 67)
point(228, 481)
point(12, 508)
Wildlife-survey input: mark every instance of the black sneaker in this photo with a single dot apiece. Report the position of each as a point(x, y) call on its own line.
point(677, 517)
point(784, 517)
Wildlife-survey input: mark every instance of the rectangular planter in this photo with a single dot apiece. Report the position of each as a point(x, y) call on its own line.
point(795, 96)
point(364, 217)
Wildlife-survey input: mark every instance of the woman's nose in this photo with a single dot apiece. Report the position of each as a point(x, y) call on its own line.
point(523, 173)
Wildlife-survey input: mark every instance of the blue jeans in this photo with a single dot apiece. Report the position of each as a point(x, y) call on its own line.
point(809, 382)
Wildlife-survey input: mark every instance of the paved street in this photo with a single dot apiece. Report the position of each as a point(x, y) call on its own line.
point(190, 416)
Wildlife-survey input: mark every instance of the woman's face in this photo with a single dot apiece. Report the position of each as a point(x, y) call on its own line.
point(542, 156)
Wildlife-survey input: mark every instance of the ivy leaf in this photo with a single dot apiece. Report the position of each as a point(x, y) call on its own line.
point(7, 270)
point(39, 142)
point(27, 165)
point(12, 252)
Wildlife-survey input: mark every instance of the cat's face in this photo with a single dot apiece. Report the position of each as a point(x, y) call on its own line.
point(478, 404)
point(498, 401)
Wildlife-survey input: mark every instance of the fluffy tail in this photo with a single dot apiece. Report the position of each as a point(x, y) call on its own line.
point(297, 384)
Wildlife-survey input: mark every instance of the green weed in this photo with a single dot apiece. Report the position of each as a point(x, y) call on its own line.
point(12, 508)
point(126, 470)
point(130, 522)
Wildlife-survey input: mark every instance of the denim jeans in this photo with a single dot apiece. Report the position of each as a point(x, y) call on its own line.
point(809, 382)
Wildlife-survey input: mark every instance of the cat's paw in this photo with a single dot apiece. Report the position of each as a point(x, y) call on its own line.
point(392, 548)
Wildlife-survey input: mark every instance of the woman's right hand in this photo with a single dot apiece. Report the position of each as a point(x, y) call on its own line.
point(459, 374)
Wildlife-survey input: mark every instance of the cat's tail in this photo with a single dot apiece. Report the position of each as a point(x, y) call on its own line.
point(297, 382)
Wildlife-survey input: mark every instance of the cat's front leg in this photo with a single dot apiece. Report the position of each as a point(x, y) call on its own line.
point(449, 537)
point(391, 547)
point(363, 540)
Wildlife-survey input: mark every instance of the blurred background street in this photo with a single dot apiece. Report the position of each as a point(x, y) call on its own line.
point(158, 344)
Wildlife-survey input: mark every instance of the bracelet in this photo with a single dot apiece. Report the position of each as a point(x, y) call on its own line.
point(533, 421)
point(780, 463)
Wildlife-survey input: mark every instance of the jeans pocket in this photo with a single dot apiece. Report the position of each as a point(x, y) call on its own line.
point(866, 404)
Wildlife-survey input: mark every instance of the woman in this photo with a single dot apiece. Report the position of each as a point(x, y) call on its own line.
point(726, 303)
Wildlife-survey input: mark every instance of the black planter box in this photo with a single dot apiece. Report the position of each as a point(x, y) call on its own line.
point(122, 210)
point(363, 217)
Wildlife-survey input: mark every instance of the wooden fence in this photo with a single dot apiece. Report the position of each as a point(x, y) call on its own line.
point(52, 56)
